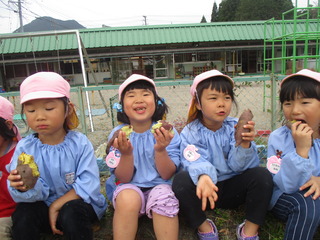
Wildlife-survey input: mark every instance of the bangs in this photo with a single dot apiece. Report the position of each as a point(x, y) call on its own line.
point(219, 84)
point(140, 84)
point(301, 86)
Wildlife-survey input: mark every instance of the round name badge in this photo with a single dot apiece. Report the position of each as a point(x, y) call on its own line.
point(273, 164)
point(190, 153)
point(112, 159)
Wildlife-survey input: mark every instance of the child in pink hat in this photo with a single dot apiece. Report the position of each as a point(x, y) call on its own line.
point(294, 156)
point(218, 172)
point(9, 137)
point(66, 198)
point(142, 162)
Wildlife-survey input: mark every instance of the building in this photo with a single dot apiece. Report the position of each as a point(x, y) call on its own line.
point(165, 52)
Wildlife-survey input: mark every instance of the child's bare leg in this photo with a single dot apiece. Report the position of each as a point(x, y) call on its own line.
point(165, 228)
point(126, 214)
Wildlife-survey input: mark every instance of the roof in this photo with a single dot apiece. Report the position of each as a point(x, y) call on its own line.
point(143, 35)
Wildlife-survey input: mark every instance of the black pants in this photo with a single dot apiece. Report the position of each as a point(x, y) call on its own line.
point(75, 220)
point(252, 188)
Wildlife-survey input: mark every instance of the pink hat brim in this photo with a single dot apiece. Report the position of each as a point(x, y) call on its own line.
point(131, 79)
point(205, 75)
point(40, 95)
point(304, 72)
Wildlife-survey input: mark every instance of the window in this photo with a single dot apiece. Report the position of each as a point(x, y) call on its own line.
point(160, 67)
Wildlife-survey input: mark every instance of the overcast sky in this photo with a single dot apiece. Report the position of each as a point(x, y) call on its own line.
point(95, 13)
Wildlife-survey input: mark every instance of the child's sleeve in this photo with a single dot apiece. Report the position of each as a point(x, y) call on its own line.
point(173, 149)
point(294, 170)
point(39, 192)
point(87, 182)
point(194, 155)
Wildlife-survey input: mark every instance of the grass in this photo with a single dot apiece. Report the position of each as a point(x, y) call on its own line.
point(225, 220)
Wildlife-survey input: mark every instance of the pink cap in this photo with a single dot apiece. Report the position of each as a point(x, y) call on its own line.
point(131, 79)
point(205, 75)
point(44, 85)
point(304, 72)
point(6, 109)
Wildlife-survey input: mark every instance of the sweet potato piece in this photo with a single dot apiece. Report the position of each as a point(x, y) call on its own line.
point(289, 125)
point(244, 118)
point(127, 129)
point(28, 170)
point(164, 124)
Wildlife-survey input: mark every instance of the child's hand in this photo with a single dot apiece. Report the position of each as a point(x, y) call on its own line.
point(314, 184)
point(123, 144)
point(163, 138)
point(15, 181)
point(247, 137)
point(53, 216)
point(207, 190)
point(302, 135)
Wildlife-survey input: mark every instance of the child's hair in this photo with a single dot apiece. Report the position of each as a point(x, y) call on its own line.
point(161, 106)
point(218, 83)
point(5, 131)
point(301, 86)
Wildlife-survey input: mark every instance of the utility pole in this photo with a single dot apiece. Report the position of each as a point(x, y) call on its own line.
point(20, 13)
point(145, 20)
point(20, 16)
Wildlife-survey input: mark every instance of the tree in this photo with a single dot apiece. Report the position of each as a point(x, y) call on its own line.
point(249, 10)
point(203, 20)
point(227, 10)
point(214, 14)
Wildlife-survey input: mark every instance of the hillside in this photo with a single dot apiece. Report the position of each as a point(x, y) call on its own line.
point(50, 24)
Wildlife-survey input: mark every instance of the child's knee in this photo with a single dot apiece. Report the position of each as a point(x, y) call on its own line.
point(128, 199)
point(162, 201)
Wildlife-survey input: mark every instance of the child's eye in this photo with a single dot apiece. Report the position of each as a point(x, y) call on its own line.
point(228, 97)
point(286, 104)
point(30, 110)
point(49, 109)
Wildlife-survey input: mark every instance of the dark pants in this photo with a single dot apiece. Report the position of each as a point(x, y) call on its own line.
point(252, 188)
point(75, 220)
point(302, 215)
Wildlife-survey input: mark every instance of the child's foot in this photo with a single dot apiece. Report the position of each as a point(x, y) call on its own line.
point(242, 236)
point(212, 235)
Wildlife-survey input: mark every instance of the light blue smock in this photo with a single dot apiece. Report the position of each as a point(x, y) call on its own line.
point(65, 166)
point(218, 156)
point(145, 172)
point(294, 169)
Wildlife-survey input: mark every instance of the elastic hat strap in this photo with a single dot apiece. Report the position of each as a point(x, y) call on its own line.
point(196, 93)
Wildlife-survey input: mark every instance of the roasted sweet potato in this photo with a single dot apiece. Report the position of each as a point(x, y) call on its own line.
point(28, 170)
point(289, 125)
point(244, 118)
point(164, 124)
point(127, 129)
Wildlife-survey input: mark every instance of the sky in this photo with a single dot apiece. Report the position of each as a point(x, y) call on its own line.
point(113, 13)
